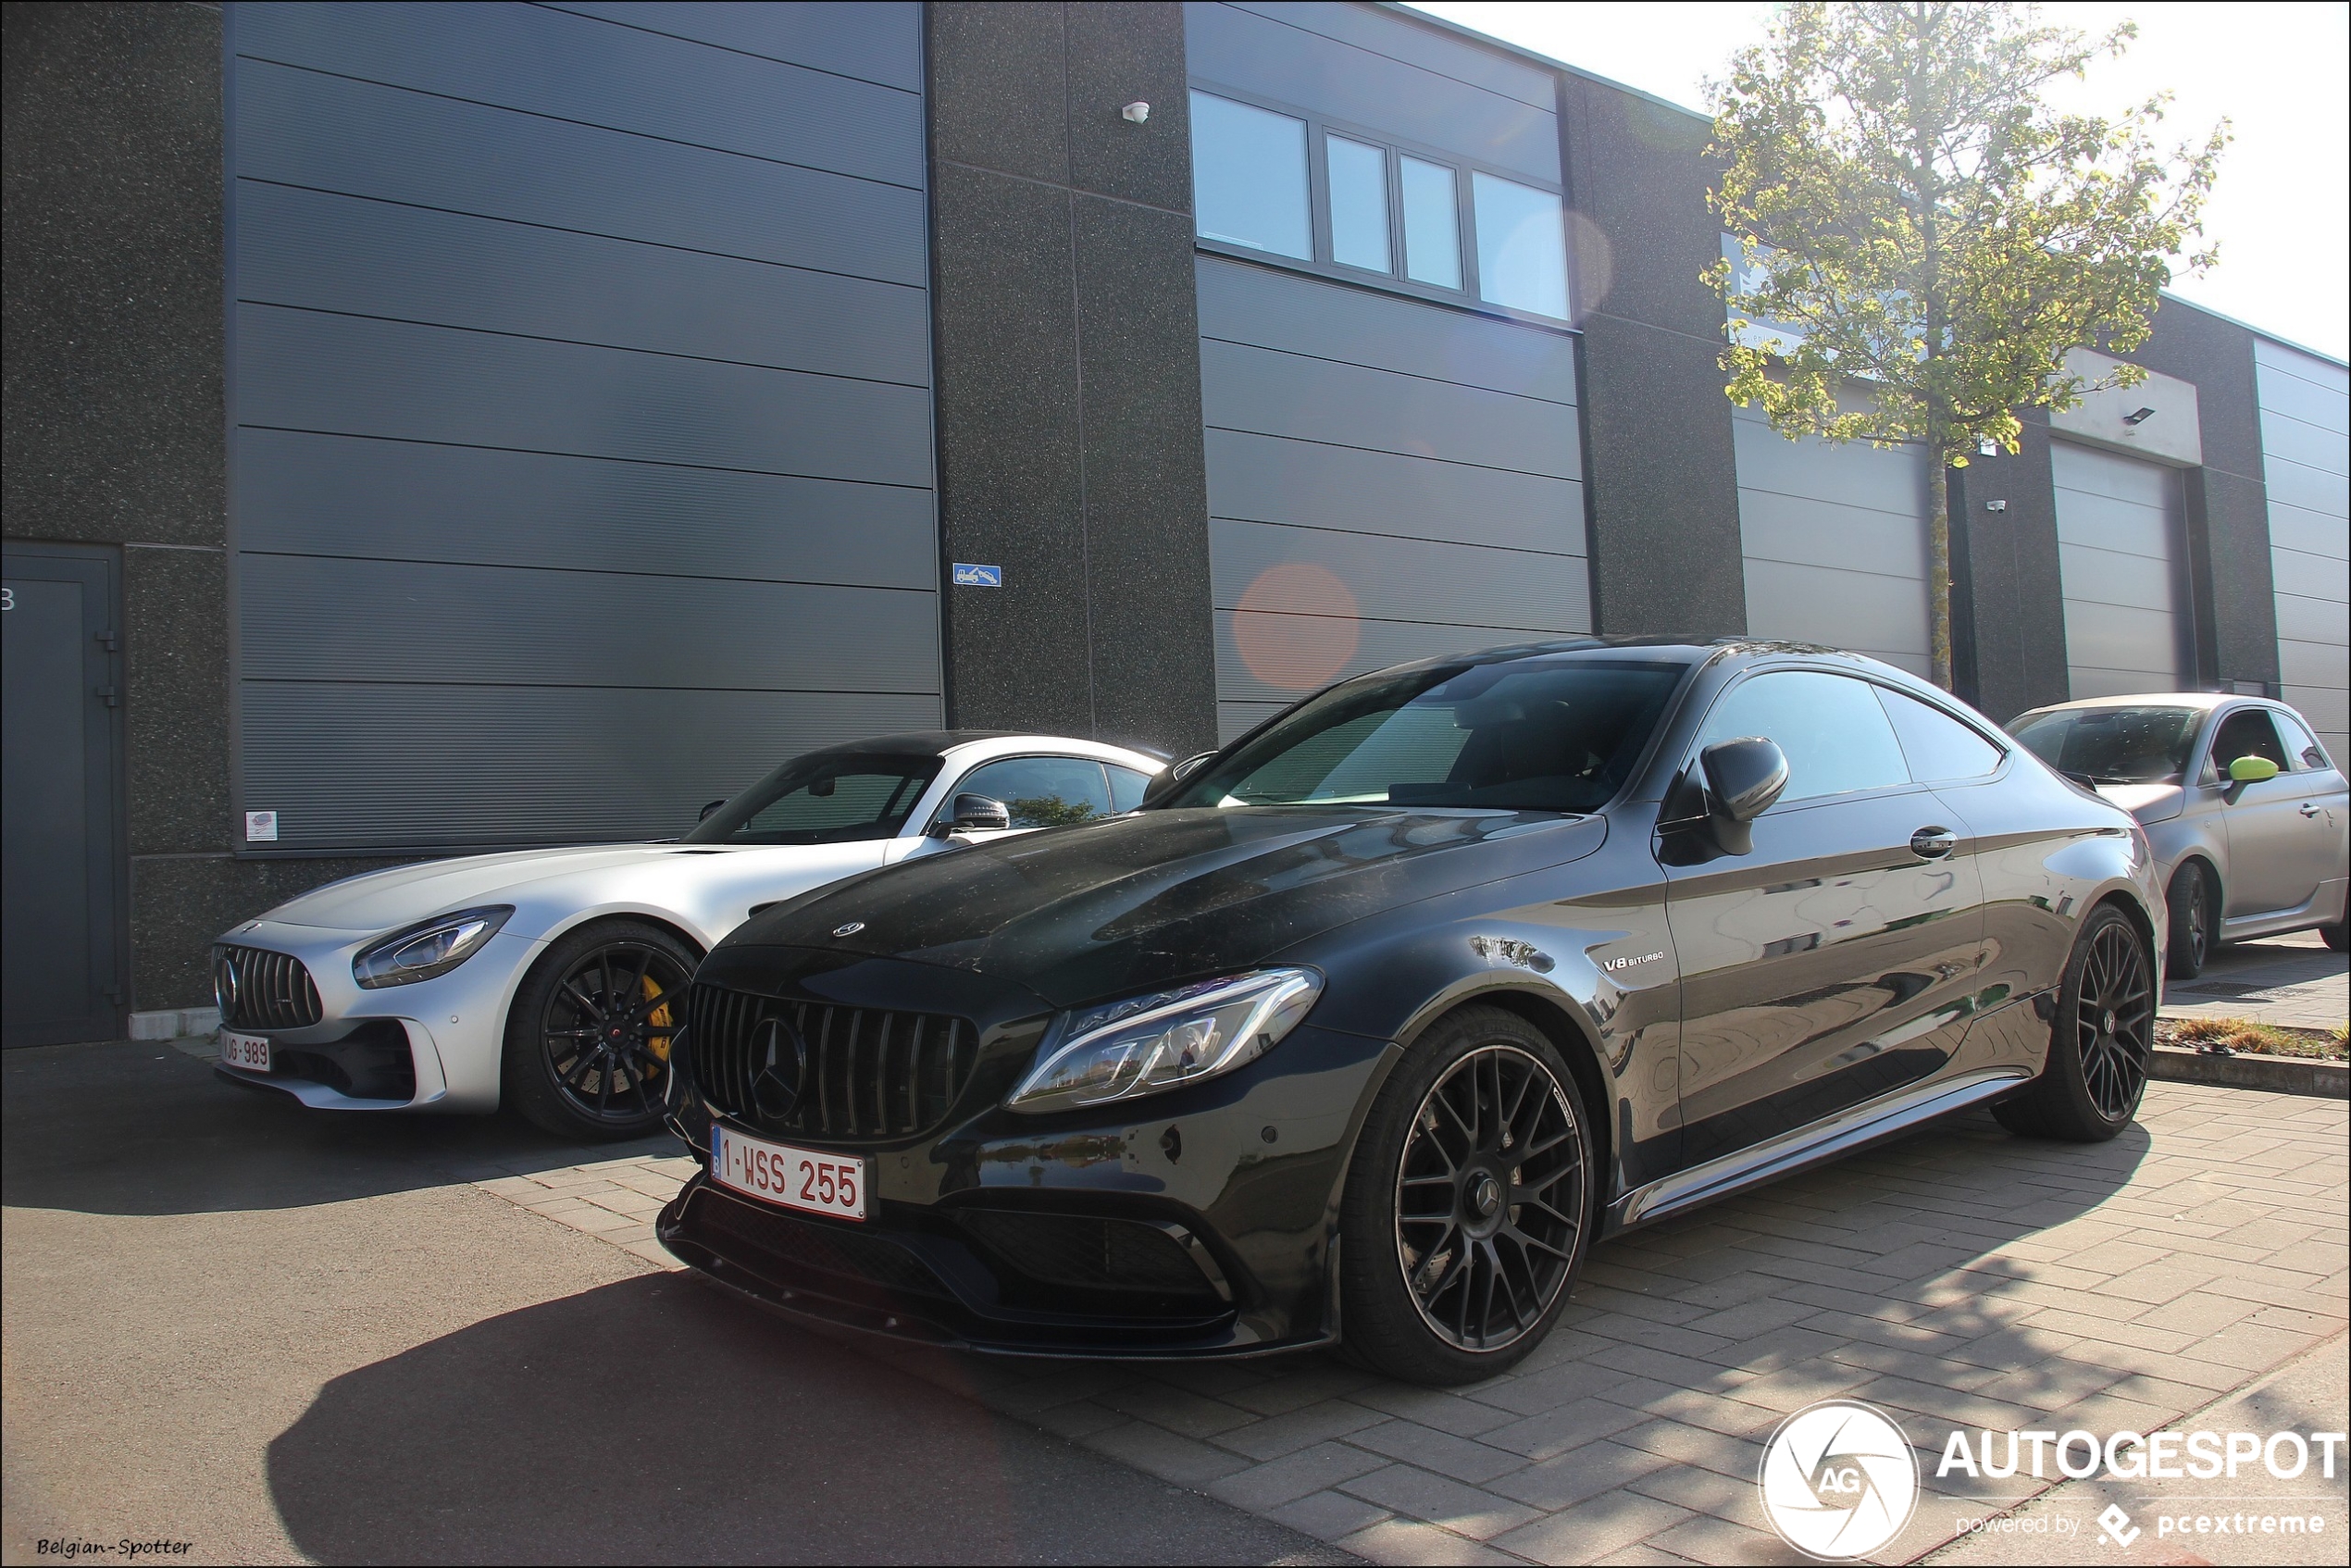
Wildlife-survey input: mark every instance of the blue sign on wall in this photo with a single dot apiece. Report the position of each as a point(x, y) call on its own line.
point(970, 576)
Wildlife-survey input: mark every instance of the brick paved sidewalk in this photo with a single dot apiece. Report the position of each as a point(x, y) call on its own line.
point(2295, 981)
point(1958, 1278)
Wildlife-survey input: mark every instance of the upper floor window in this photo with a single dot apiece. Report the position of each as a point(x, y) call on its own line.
point(1290, 185)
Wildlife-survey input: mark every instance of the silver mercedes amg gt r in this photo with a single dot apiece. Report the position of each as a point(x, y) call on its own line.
point(551, 979)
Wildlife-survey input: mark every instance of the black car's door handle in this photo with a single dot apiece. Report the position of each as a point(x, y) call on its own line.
point(1933, 843)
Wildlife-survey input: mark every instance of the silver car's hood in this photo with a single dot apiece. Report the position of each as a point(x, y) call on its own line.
point(2148, 802)
point(379, 900)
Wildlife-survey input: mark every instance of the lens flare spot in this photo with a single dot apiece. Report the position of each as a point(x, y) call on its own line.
point(1296, 627)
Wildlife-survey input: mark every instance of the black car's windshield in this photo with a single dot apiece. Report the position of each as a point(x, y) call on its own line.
point(823, 798)
point(1538, 734)
point(2112, 745)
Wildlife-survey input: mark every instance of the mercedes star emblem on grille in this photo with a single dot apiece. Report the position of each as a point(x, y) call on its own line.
point(783, 1064)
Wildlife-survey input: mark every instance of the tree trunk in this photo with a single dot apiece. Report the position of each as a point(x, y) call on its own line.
point(1939, 571)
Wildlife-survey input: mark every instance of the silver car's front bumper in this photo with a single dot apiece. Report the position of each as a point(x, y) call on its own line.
point(454, 1024)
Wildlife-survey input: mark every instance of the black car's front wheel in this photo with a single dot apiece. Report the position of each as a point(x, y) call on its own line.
point(1469, 1202)
point(588, 1034)
point(2101, 1042)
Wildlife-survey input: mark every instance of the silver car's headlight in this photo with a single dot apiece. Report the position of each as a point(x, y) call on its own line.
point(428, 948)
point(1145, 1044)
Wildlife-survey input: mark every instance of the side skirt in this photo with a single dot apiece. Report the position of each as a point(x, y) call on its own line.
point(1822, 1141)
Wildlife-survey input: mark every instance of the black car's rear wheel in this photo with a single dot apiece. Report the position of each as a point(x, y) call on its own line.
point(587, 1037)
point(2101, 1042)
point(1469, 1202)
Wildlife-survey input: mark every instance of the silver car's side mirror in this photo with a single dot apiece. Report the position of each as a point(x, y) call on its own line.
point(708, 810)
point(1743, 778)
point(975, 813)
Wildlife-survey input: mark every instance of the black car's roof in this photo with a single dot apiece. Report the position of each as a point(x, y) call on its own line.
point(1679, 650)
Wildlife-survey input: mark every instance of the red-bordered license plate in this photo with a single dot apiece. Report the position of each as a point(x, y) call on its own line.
point(796, 1178)
point(249, 1051)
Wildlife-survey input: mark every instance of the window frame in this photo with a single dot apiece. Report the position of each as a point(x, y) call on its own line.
point(945, 810)
point(1689, 772)
point(1319, 128)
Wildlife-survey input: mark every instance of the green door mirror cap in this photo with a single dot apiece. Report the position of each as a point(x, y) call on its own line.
point(2252, 770)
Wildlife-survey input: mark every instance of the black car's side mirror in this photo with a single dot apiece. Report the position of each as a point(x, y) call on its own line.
point(974, 814)
point(1743, 778)
point(707, 810)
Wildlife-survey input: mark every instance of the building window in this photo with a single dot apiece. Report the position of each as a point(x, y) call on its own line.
point(1522, 245)
point(1432, 224)
point(1359, 205)
point(1336, 199)
point(1248, 177)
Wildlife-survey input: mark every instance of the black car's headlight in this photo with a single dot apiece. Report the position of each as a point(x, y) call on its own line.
point(1145, 1044)
point(427, 949)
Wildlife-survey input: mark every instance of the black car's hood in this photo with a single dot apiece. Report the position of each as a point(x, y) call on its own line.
point(1081, 913)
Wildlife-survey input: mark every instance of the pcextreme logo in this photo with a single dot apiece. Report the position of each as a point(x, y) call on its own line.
point(1839, 1480)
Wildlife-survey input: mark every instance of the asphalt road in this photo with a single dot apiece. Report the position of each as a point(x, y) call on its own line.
point(280, 1336)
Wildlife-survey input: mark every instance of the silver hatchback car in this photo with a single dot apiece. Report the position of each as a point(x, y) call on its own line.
point(2250, 818)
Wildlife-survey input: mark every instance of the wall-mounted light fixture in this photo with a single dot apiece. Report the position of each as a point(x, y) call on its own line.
point(1136, 113)
point(1996, 506)
point(2138, 416)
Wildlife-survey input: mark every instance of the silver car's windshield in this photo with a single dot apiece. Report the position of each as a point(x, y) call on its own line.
point(2113, 745)
point(823, 798)
point(1528, 735)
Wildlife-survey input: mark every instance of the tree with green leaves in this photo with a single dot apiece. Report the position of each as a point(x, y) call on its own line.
point(1924, 236)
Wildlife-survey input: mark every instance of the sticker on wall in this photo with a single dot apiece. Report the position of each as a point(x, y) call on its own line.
point(261, 827)
point(968, 575)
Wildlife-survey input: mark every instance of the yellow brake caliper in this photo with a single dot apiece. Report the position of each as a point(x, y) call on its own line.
point(657, 1023)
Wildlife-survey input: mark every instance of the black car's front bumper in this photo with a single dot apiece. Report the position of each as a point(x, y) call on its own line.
point(1195, 1223)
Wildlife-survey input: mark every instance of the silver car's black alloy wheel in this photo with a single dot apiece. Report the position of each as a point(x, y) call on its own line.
point(2115, 1019)
point(1490, 1198)
point(606, 1030)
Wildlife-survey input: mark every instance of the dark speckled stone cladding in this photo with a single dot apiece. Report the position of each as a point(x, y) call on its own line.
point(1068, 372)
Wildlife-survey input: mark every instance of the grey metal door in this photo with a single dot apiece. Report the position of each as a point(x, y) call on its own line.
point(63, 870)
point(2118, 563)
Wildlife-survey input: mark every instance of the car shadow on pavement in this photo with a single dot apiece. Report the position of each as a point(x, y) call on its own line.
point(661, 1419)
point(138, 1127)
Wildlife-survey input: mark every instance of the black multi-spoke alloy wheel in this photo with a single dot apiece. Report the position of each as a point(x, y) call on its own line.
point(587, 1037)
point(1469, 1202)
point(2100, 1042)
point(2192, 905)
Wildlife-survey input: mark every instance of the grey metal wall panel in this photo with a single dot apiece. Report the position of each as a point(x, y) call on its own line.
point(450, 766)
point(324, 251)
point(1288, 395)
point(876, 40)
point(1252, 304)
point(305, 493)
point(1376, 645)
point(581, 465)
point(300, 369)
point(1463, 585)
point(1833, 542)
point(2305, 409)
point(1376, 90)
point(1363, 514)
point(1237, 719)
point(579, 68)
point(548, 626)
point(332, 133)
point(1270, 479)
point(1424, 47)
point(2119, 522)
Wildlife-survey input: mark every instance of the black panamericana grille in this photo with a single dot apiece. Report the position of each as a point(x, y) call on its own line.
point(260, 989)
point(861, 1072)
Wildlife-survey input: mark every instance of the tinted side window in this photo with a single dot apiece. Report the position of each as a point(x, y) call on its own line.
point(1938, 746)
point(1127, 787)
point(2247, 733)
point(2298, 739)
point(1836, 737)
point(1040, 791)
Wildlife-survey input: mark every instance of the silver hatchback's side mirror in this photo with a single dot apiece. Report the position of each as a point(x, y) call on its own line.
point(975, 813)
point(1743, 778)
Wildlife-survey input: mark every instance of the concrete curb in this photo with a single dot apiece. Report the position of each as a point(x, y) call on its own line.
point(2279, 1074)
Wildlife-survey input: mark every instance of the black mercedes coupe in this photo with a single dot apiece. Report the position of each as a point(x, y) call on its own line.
point(1364, 1028)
